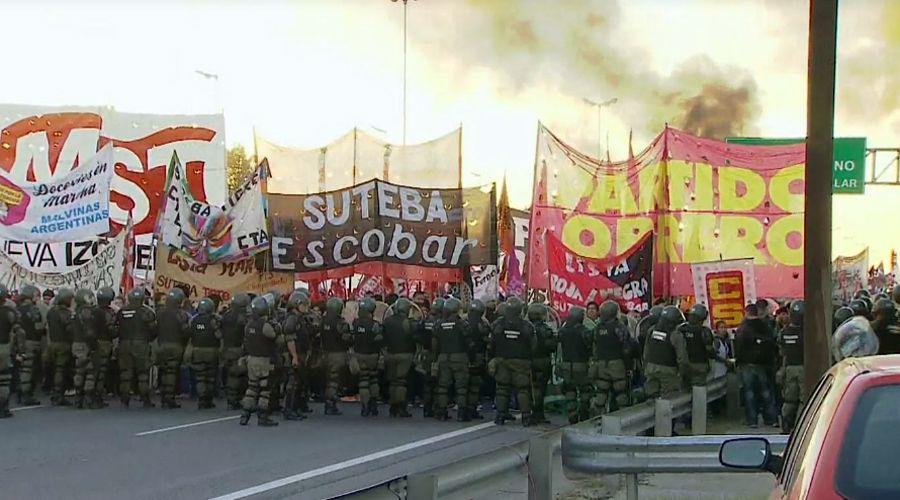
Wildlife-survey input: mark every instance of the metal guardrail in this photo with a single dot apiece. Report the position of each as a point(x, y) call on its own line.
point(536, 457)
point(586, 454)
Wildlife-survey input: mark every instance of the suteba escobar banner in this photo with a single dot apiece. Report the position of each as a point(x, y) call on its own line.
point(71, 207)
point(382, 222)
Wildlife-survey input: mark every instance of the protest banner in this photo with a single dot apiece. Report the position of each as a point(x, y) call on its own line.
point(576, 280)
point(68, 207)
point(38, 143)
point(485, 282)
point(849, 275)
point(725, 287)
point(383, 229)
point(224, 279)
point(357, 157)
point(211, 233)
point(702, 199)
point(103, 270)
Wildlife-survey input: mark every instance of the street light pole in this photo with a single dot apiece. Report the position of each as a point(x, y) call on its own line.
point(405, 2)
point(600, 106)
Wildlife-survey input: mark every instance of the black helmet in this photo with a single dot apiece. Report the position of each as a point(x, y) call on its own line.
point(501, 309)
point(105, 296)
point(402, 306)
point(206, 306)
point(670, 319)
point(452, 306)
point(65, 296)
point(240, 301)
point(537, 311)
point(697, 314)
point(477, 307)
point(272, 300)
point(842, 315)
point(334, 306)
point(796, 312)
point(259, 307)
point(367, 305)
point(868, 302)
point(895, 294)
point(884, 306)
point(576, 315)
point(880, 296)
point(862, 293)
point(655, 313)
point(84, 297)
point(298, 298)
point(609, 310)
point(175, 298)
point(135, 297)
point(513, 307)
point(437, 305)
point(28, 292)
point(859, 307)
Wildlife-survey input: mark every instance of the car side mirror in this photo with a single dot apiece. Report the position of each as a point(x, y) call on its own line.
point(750, 453)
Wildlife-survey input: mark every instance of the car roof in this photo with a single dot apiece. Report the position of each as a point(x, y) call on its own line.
point(886, 363)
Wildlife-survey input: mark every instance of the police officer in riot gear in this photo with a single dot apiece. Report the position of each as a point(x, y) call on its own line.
point(790, 340)
point(104, 322)
point(425, 357)
point(646, 324)
point(451, 346)
point(401, 347)
point(699, 342)
point(479, 334)
point(172, 337)
point(205, 344)
point(33, 325)
point(335, 338)
point(611, 352)
point(84, 341)
point(297, 331)
point(136, 324)
point(260, 344)
point(576, 341)
point(541, 362)
point(59, 352)
point(367, 341)
point(841, 315)
point(885, 327)
point(12, 345)
point(665, 355)
point(234, 323)
point(512, 345)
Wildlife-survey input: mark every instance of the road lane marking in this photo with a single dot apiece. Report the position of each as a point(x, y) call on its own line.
point(184, 426)
point(23, 408)
point(278, 483)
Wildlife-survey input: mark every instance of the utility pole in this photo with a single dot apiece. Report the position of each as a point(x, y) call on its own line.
point(820, 83)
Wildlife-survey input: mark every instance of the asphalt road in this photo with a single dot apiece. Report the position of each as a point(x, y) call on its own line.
point(51, 452)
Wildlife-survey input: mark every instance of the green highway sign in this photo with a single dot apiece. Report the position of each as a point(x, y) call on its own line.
point(849, 160)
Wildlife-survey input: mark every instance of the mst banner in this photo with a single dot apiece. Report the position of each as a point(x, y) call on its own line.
point(576, 280)
point(210, 233)
point(383, 223)
point(724, 287)
point(70, 207)
point(223, 279)
point(104, 269)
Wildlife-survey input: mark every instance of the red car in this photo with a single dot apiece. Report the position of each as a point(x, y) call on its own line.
point(845, 443)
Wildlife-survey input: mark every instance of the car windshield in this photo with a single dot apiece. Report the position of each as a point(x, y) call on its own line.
point(868, 465)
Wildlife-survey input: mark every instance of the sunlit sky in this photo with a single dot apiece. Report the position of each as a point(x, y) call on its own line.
point(305, 72)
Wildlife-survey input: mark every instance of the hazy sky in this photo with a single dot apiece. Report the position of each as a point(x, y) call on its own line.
point(305, 72)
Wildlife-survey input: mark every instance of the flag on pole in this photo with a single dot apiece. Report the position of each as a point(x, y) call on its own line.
point(511, 280)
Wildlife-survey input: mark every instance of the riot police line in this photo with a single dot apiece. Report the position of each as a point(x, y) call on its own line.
point(264, 350)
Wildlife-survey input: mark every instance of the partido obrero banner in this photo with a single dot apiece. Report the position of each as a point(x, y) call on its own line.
point(702, 199)
point(103, 270)
point(209, 233)
point(386, 224)
point(70, 207)
point(576, 280)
